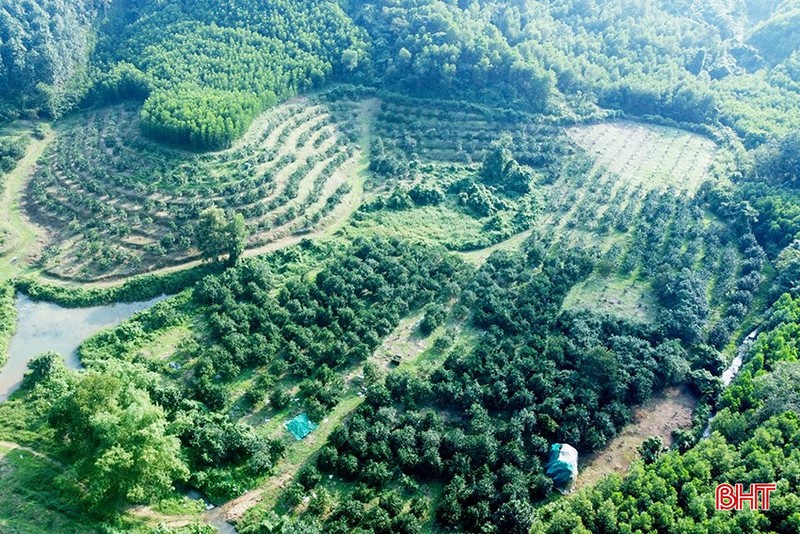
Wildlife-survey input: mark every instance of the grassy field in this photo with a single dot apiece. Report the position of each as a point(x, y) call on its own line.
point(19, 239)
point(429, 224)
point(624, 163)
point(29, 501)
point(614, 294)
point(633, 201)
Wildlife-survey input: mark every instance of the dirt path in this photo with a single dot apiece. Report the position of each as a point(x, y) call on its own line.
point(513, 243)
point(16, 446)
point(20, 236)
point(659, 417)
point(298, 454)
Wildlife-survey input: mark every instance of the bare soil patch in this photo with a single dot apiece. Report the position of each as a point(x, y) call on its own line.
point(659, 417)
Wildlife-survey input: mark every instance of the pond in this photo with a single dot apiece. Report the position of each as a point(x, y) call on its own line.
point(43, 326)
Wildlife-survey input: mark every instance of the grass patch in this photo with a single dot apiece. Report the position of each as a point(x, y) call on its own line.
point(619, 296)
point(8, 319)
point(512, 244)
point(179, 506)
point(428, 224)
point(30, 503)
point(17, 236)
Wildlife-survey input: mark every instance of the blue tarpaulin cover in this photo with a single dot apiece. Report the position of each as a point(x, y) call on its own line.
point(563, 466)
point(300, 426)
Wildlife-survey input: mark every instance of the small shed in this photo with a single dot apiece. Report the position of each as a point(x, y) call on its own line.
point(300, 426)
point(562, 467)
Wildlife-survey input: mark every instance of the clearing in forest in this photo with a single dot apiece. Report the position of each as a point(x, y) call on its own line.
point(658, 417)
point(620, 296)
point(648, 154)
point(437, 224)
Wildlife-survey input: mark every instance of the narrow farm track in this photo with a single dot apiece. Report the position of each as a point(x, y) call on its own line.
point(302, 452)
point(20, 236)
point(512, 244)
point(11, 446)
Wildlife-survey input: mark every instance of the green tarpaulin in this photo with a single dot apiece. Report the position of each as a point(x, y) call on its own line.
point(300, 426)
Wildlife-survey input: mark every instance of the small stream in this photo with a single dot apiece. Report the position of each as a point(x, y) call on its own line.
point(216, 519)
point(43, 326)
point(733, 369)
point(214, 515)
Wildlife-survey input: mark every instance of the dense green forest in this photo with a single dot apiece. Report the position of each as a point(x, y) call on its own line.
point(435, 236)
point(44, 50)
point(721, 65)
point(210, 67)
point(753, 438)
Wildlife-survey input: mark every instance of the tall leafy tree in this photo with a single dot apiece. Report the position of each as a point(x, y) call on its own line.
point(219, 235)
point(500, 169)
point(118, 441)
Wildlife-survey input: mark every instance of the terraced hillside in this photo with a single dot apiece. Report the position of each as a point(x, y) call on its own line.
point(454, 132)
point(633, 195)
point(646, 153)
point(114, 203)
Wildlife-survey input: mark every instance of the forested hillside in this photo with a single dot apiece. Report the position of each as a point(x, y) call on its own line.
point(44, 52)
point(753, 438)
point(391, 252)
point(212, 67)
point(437, 49)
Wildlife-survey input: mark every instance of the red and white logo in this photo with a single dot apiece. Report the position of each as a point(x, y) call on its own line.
point(733, 497)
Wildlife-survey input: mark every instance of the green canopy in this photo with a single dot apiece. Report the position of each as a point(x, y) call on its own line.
point(562, 466)
point(300, 426)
